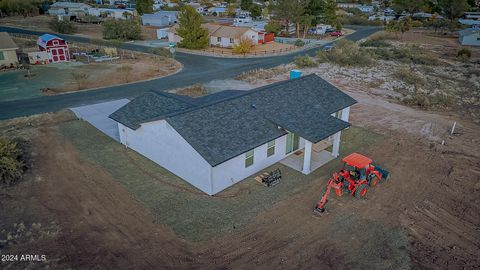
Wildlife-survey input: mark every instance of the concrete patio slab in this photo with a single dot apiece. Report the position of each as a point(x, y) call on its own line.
point(97, 115)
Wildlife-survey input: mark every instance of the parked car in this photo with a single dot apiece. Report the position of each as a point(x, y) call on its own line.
point(327, 48)
point(330, 30)
point(336, 34)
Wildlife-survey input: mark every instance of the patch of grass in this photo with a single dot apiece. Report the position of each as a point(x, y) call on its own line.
point(377, 43)
point(305, 61)
point(425, 101)
point(191, 214)
point(263, 74)
point(346, 53)
point(196, 90)
point(408, 76)
point(406, 55)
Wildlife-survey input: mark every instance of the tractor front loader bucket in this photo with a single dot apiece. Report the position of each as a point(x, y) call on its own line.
point(385, 173)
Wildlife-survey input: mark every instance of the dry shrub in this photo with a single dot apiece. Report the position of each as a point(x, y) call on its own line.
point(426, 101)
point(13, 160)
point(263, 74)
point(408, 76)
point(407, 55)
point(244, 46)
point(196, 90)
point(346, 53)
point(305, 61)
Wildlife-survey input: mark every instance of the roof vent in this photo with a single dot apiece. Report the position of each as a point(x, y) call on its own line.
point(254, 106)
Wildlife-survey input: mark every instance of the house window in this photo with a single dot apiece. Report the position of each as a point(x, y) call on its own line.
point(231, 40)
point(271, 148)
point(219, 39)
point(249, 158)
point(55, 42)
point(2, 56)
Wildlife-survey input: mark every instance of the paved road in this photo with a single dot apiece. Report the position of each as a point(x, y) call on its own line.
point(197, 69)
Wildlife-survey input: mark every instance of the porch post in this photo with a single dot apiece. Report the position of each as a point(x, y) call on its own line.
point(336, 144)
point(345, 114)
point(307, 157)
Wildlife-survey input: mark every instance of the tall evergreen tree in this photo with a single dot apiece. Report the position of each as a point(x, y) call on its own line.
point(191, 30)
point(453, 9)
point(144, 6)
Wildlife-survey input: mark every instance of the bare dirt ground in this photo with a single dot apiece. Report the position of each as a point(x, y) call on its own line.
point(425, 217)
point(40, 23)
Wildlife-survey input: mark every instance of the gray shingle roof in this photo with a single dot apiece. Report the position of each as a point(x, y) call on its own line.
point(222, 128)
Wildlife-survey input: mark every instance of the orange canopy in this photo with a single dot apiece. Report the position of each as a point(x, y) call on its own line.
point(357, 160)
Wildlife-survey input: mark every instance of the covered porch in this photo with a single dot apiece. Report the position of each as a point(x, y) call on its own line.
point(312, 157)
point(317, 135)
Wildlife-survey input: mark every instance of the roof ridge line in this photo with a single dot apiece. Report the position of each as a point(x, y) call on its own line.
point(247, 92)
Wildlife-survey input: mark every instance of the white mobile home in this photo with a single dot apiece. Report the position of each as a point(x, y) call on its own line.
point(216, 141)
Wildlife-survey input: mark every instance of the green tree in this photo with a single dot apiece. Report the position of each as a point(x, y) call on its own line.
point(289, 11)
point(194, 36)
point(63, 27)
point(410, 6)
point(122, 29)
point(246, 4)
point(144, 6)
point(273, 27)
point(255, 10)
point(452, 9)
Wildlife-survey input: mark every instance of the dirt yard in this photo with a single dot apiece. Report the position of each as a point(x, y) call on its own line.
point(425, 217)
point(40, 23)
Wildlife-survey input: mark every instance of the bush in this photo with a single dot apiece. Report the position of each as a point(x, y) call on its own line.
point(122, 29)
point(357, 20)
point(13, 160)
point(304, 61)
point(408, 76)
point(244, 46)
point(161, 52)
point(63, 27)
point(377, 43)
point(464, 54)
point(273, 27)
point(429, 101)
point(407, 55)
point(346, 53)
point(299, 43)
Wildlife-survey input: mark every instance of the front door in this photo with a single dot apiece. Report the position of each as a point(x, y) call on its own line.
point(293, 142)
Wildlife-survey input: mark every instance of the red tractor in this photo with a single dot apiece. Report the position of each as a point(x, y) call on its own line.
point(358, 173)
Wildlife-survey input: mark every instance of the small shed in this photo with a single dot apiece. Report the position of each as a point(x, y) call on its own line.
point(8, 50)
point(470, 37)
point(56, 48)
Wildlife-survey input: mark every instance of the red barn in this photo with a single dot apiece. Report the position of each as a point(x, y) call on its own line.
point(56, 48)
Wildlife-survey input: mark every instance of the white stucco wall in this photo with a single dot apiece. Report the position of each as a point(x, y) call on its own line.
point(233, 170)
point(159, 142)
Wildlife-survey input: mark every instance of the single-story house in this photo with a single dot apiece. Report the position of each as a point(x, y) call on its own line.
point(66, 8)
point(8, 50)
point(470, 18)
point(215, 141)
point(160, 19)
point(56, 48)
point(470, 37)
point(115, 13)
point(221, 35)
